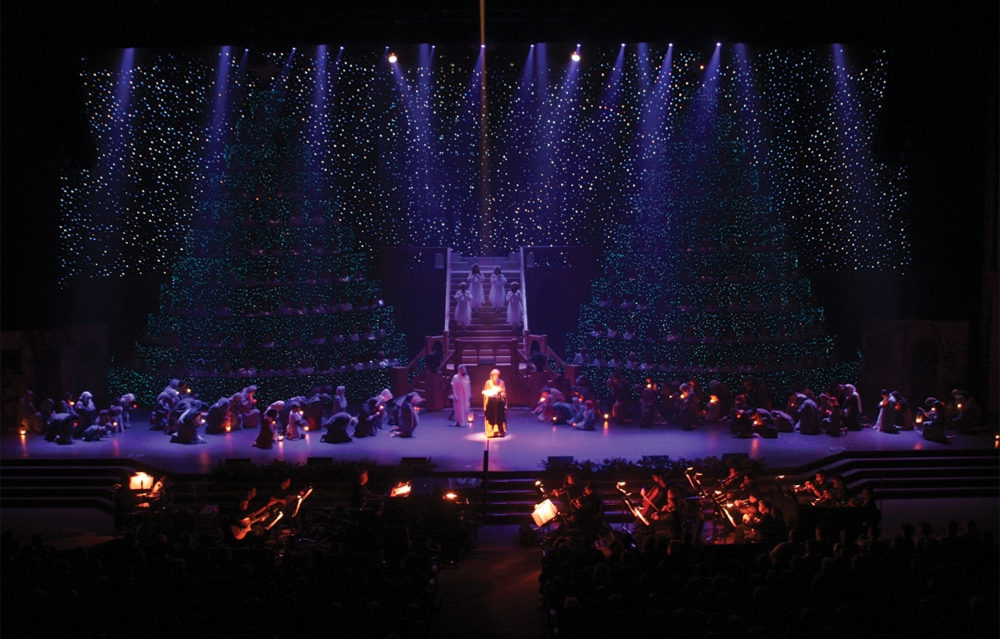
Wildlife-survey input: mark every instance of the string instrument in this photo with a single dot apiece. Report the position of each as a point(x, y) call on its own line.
point(649, 510)
point(243, 527)
point(627, 500)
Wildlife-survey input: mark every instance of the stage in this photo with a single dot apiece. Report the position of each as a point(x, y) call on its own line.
point(526, 447)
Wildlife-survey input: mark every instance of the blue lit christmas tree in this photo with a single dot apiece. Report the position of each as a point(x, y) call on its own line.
point(269, 288)
point(701, 281)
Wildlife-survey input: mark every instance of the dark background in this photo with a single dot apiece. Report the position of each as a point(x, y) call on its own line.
point(939, 120)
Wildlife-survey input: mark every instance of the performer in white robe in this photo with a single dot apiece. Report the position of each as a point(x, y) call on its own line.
point(461, 394)
point(497, 293)
point(463, 306)
point(515, 306)
point(476, 280)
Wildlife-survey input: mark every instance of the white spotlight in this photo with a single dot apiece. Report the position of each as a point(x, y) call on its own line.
point(575, 56)
point(392, 58)
point(718, 44)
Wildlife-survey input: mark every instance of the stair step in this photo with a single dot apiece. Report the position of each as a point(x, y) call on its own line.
point(105, 505)
point(70, 492)
point(60, 482)
point(8, 471)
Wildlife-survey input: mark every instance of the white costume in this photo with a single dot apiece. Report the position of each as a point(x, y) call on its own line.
point(463, 308)
point(476, 288)
point(461, 393)
point(515, 308)
point(497, 293)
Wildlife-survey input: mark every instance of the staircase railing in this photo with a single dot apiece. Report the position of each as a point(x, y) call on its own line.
point(447, 290)
point(524, 303)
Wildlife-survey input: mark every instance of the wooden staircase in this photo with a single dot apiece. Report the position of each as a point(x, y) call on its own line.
point(489, 323)
point(488, 343)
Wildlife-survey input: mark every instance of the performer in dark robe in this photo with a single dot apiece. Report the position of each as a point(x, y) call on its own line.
point(218, 417)
point(742, 425)
point(336, 428)
point(187, 426)
point(409, 416)
point(29, 419)
point(807, 415)
point(366, 426)
point(764, 424)
point(495, 405)
point(934, 429)
point(268, 430)
point(66, 405)
point(831, 423)
point(245, 408)
point(886, 421)
point(60, 428)
point(87, 413)
point(316, 409)
point(689, 412)
point(160, 415)
point(127, 404)
point(851, 414)
point(903, 414)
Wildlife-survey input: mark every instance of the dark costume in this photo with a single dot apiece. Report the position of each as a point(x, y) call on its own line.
point(268, 430)
point(316, 411)
point(336, 428)
point(29, 419)
point(187, 426)
point(831, 424)
point(496, 408)
point(87, 413)
point(367, 419)
point(851, 414)
point(934, 429)
point(218, 417)
point(60, 428)
point(807, 414)
point(409, 419)
point(764, 424)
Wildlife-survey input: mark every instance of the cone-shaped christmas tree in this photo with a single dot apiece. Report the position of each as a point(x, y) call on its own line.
point(702, 284)
point(268, 289)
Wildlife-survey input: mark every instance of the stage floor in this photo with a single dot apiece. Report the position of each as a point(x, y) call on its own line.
point(527, 445)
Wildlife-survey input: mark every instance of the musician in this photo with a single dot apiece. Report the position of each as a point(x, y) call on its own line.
point(836, 495)
point(363, 500)
point(568, 494)
point(747, 495)
point(815, 487)
point(283, 496)
point(765, 524)
point(655, 497)
point(247, 524)
point(668, 521)
point(588, 518)
point(730, 484)
point(495, 405)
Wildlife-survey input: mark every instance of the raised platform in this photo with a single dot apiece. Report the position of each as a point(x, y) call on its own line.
point(526, 447)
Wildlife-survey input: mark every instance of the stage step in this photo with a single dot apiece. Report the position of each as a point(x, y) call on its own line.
point(922, 474)
point(84, 483)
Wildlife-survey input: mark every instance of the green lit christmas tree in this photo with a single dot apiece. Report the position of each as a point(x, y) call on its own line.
point(269, 289)
point(702, 284)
